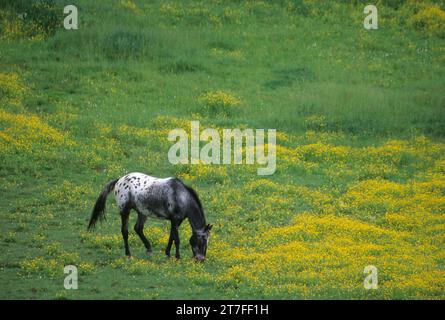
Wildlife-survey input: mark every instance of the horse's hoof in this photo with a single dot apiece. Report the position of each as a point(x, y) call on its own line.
point(149, 253)
point(129, 257)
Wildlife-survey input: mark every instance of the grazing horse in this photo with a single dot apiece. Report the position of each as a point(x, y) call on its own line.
point(167, 198)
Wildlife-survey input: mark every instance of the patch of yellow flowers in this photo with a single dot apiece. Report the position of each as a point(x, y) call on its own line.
point(130, 5)
point(431, 19)
point(219, 101)
point(28, 133)
point(11, 88)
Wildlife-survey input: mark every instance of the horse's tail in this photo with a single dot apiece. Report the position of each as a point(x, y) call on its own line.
point(99, 208)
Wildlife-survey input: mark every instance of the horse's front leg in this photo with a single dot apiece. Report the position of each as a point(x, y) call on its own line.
point(176, 239)
point(170, 241)
point(174, 236)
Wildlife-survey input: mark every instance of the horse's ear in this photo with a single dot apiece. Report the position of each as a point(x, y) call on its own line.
point(209, 227)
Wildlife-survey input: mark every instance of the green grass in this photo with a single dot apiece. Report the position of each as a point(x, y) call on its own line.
point(311, 71)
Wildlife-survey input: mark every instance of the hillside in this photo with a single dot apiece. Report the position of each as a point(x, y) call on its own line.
point(360, 173)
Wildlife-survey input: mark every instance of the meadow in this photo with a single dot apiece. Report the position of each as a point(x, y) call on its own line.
point(359, 114)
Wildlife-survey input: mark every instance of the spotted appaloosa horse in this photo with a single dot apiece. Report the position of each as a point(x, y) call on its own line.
point(167, 198)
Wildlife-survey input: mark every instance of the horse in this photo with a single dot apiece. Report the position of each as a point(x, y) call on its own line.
point(163, 198)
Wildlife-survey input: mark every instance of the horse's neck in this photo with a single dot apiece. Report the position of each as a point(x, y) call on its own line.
point(197, 222)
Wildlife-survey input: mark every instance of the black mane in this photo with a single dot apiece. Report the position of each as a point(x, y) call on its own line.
point(194, 194)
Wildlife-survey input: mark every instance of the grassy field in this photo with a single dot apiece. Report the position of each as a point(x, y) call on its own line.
point(360, 118)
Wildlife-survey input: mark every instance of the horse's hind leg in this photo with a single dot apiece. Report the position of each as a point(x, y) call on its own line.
point(125, 213)
point(139, 229)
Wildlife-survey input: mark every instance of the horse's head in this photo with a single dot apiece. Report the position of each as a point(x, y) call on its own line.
point(199, 242)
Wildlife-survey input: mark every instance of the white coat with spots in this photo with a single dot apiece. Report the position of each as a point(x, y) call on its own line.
point(148, 195)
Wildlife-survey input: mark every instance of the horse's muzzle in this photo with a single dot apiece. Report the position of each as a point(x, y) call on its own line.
point(199, 258)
